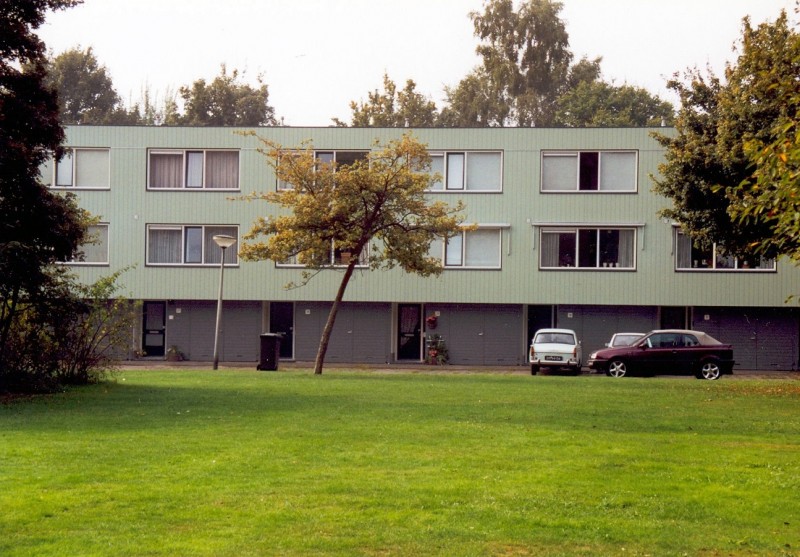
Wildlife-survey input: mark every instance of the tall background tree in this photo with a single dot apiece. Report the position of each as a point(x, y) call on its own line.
point(375, 209)
point(225, 102)
point(86, 93)
point(392, 109)
point(527, 78)
point(598, 104)
point(525, 66)
point(712, 180)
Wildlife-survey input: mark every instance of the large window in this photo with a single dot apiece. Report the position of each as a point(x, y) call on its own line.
point(94, 251)
point(690, 257)
point(468, 170)
point(193, 169)
point(79, 168)
point(588, 248)
point(471, 249)
point(175, 244)
point(589, 171)
point(341, 158)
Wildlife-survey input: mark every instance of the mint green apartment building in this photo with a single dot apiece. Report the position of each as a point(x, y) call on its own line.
point(568, 234)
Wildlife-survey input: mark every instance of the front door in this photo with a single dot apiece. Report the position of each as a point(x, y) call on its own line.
point(281, 321)
point(409, 328)
point(154, 327)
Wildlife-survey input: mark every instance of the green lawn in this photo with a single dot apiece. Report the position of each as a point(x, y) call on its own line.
point(243, 463)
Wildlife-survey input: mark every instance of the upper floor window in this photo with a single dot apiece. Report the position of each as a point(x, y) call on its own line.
point(588, 248)
point(690, 257)
point(176, 244)
point(79, 168)
point(94, 251)
point(193, 169)
point(471, 249)
point(339, 257)
point(589, 171)
point(468, 170)
point(340, 158)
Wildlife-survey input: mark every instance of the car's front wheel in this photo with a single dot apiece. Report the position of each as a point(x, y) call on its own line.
point(617, 368)
point(710, 371)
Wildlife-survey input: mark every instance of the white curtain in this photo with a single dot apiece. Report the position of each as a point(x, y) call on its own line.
point(618, 171)
point(97, 250)
point(64, 171)
point(560, 172)
point(483, 171)
point(684, 251)
point(194, 169)
point(455, 171)
point(483, 248)
point(91, 168)
point(627, 245)
point(549, 249)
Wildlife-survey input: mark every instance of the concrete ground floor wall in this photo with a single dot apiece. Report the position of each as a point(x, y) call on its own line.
point(473, 334)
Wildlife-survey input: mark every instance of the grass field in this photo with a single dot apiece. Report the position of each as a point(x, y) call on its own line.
point(237, 463)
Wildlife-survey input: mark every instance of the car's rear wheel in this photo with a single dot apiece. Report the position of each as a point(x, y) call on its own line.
point(617, 368)
point(710, 371)
point(534, 369)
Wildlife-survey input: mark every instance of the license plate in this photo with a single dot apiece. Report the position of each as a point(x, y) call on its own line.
point(553, 358)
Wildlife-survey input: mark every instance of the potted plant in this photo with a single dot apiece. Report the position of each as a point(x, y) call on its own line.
point(431, 321)
point(174, 354)
point(436, 351)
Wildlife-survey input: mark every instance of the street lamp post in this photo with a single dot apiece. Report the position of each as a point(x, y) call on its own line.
point(224, 242)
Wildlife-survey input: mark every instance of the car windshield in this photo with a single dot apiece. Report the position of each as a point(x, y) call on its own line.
point(625, 340)
point(554, 338)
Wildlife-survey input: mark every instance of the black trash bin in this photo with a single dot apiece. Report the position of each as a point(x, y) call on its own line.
point(270, 352)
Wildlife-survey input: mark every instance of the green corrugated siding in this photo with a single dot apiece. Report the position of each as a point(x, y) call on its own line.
point(129, 207)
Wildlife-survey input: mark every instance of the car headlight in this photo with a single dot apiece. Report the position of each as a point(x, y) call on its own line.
point(593, 355)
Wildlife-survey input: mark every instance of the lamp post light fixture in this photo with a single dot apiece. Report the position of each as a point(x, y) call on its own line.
point(224, 242)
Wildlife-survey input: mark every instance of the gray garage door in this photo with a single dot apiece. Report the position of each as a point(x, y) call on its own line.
point(479, 334)
point(361, 333)
point(763, 339)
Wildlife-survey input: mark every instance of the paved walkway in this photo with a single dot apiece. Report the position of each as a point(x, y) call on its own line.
point(155, 363)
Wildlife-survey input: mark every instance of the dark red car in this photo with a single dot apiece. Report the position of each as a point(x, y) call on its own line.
point(670, 351)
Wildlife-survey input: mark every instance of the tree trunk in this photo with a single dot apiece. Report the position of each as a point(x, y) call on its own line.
point(326, 332)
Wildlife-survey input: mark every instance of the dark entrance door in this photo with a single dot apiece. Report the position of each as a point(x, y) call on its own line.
point(281, 320)
point(154, 327)
point(409, 326)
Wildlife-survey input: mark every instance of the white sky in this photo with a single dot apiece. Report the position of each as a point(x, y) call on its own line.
point(318, 55)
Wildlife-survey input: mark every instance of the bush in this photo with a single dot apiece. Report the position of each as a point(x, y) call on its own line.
point(70, 339)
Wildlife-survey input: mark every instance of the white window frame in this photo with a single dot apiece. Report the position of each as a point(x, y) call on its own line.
point(714, 262)
point(105, 260)
point(576, 256)
point(185, 155)
point(576, 155)
point(455, 252)
point(206, 244)
point(52, 170)
point(455, 171)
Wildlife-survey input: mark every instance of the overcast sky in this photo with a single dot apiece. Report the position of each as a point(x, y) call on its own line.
point(318, 55)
